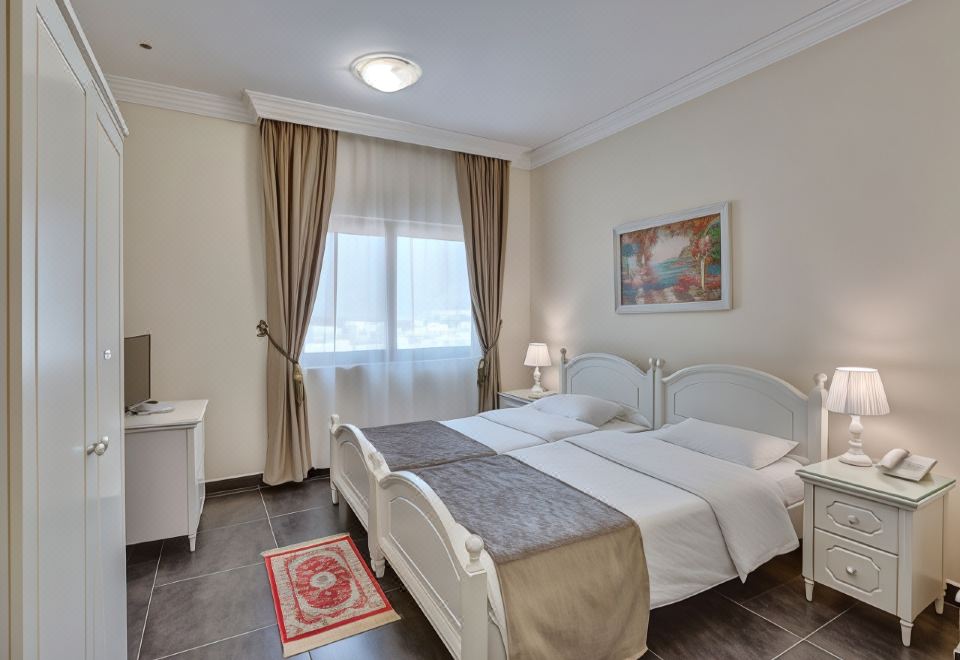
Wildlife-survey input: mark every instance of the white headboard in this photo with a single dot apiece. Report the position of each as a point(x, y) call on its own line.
point(747, 399)
point(609, 377)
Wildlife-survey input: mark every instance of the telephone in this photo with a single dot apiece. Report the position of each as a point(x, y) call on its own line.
point(901, 463)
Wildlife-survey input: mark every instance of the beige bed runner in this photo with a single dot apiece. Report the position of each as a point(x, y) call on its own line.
point(572, 571)
point(422, 444)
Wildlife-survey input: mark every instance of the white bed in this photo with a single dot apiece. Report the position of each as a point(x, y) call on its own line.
point(454, 580)
point(356, 466)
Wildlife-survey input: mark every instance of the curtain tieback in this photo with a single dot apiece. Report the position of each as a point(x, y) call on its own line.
point(263, 330)
point(483, 367)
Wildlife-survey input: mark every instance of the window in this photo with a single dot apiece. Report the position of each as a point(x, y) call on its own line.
point(394, 280)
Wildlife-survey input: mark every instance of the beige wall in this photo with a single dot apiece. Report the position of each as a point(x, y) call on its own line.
point(842, 164)
point(193, 269)
point(193, 272)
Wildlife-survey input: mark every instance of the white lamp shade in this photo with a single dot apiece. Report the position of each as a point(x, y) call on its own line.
point(857, 391)
point(537, 356)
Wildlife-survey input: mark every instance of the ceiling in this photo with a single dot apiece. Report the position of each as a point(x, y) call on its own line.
point(525, 72)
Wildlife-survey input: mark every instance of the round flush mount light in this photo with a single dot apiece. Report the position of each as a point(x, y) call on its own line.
point(385, 72)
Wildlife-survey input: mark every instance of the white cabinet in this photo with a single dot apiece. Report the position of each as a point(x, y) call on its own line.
point(875, 537)
point(62, 404)
point(165, 487)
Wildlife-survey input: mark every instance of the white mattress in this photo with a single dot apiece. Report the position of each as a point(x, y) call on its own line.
point(685, 550)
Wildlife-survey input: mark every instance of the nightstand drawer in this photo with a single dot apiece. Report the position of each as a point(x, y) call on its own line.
point(855, 518)
point(865, 573)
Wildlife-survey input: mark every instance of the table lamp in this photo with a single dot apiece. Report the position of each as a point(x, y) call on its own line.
point(537, 356)
point(857, 391)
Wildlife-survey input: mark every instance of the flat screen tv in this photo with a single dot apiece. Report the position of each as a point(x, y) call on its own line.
point(136, 371)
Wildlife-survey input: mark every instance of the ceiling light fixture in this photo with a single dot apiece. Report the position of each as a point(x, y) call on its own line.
point(385, 72)
point(145, 45)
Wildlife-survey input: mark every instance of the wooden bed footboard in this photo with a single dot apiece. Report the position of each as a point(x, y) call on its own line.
point(438, 561)
point(355, 466)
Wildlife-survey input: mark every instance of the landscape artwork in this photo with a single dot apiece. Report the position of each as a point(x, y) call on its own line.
point(675, 262)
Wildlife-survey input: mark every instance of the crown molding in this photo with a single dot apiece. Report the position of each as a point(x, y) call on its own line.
point(834, 19)
point(268, 106)
point(169, 97)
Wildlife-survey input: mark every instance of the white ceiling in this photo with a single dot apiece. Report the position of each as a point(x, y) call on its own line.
point(520, 71)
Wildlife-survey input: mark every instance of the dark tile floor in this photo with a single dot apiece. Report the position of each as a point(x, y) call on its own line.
point(215, 603)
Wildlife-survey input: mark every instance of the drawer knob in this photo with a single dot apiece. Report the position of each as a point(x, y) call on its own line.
point(851, 570)
point(853, 520)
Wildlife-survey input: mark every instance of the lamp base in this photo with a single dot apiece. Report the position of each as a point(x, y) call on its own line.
point(854, 455)
point(859, 460)
point(537, 390)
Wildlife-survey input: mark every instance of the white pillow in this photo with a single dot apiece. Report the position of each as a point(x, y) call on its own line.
point(586, 408)
point(748, 448)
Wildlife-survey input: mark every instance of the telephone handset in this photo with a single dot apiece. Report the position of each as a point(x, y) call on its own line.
point(901, 463)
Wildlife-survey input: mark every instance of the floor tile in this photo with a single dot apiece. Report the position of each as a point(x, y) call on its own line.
point(143, 552)
point(412, 637)
point(224, 510)
point(709, 623)
point(777, 571)
point(139, 586)
point(805, 651)
point(188, 614)
point(288, 498)
point(867, 633)
point(217, 550)
point(263, 644)
point(316, 523)
point(787, 606)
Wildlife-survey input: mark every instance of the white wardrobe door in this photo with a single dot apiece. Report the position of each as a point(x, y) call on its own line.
point(110, 616)
point(61, 405)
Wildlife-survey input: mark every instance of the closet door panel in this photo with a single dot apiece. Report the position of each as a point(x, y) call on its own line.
point(110, 591)
point(60, 386)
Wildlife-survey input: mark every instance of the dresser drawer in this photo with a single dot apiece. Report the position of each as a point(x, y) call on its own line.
point(856, 518)
point(867, 574)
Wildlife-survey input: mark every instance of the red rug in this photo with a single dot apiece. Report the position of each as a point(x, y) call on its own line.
point(323, 591)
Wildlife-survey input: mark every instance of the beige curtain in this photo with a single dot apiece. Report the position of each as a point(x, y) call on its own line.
point(298, 163)
point(483, 186)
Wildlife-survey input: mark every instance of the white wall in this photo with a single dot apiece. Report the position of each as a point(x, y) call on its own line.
point(842, 164)
point(193, 269)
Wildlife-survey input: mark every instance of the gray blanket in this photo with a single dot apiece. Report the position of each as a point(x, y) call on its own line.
point(572, 571)
point(422, 444)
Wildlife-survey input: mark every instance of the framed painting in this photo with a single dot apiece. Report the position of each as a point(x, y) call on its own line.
point(678, 262)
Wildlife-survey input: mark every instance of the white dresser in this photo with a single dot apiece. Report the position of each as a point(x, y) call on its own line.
point(875, 537)
point(164, 473)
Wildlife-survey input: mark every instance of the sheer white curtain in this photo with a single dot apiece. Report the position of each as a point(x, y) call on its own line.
point(391, 338)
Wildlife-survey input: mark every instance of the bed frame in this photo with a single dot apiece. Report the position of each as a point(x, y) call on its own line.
point(356, 467)
point(446, 569)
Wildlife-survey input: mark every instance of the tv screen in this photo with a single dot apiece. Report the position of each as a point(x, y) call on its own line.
point(136, 370)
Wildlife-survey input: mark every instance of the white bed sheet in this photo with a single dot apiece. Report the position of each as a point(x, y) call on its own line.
point(783, 473)
point(498, 437)
point(685, 550)
point(504, 437)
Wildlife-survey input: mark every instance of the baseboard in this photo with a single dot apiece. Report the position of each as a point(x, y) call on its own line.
point(215, 486)
point(233, 483)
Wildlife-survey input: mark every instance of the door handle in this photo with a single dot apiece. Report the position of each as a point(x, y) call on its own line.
point(99, 447)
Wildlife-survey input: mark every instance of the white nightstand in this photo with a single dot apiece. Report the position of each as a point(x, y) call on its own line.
point(874, 537)
point(517, 398)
